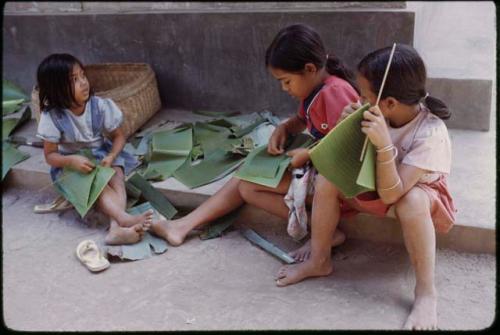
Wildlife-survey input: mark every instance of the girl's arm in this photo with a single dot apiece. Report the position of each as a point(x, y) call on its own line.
point(55, 159)
point(392, 183)
point(118, 139)
point(292, 126)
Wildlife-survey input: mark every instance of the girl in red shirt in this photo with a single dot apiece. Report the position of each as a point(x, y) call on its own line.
point(298, 60)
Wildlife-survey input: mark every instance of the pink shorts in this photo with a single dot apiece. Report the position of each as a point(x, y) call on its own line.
point(442, 208)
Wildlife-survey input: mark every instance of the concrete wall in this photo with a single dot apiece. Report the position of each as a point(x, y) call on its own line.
point(202, 60)
point(456, 39)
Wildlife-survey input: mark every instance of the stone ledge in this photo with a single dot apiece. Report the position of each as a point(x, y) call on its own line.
point(13, 8)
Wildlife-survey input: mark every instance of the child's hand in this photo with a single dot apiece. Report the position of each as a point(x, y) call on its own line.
point(349, 109)
point(276, 145)
point(375, 127)
point(108, 160)
point(81, 163)
point(300, 156)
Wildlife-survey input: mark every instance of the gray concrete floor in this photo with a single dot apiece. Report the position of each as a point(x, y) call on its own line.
point(219, 284)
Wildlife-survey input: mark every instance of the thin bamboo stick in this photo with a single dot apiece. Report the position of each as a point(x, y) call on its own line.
point(365, 144)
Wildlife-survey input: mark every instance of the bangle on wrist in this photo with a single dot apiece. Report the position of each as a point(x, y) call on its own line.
point(391, 159)
point(386, 148)
point(392, 187)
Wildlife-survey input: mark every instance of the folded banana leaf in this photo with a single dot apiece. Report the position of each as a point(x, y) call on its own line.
point(268, 170)
point(10, 157)
point(83, 189)
point(336, 156)
point(12, 123)
point(155, 197)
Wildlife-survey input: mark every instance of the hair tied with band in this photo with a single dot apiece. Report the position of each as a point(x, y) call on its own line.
point(425, 96)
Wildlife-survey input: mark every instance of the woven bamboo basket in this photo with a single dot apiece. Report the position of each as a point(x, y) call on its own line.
point(132, 86)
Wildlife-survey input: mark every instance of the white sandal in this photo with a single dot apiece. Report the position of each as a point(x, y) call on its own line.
point(89, 254)
point(59, 204)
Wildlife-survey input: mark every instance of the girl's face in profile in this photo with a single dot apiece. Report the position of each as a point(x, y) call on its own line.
point(80, 84)
point(297, 85)
point(367, 95)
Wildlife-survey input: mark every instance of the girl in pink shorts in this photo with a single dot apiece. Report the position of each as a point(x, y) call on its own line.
point(412, 161)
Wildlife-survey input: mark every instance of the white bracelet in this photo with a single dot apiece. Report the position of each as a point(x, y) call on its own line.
point(392, 187)
point(392, 159)
point(386, 148)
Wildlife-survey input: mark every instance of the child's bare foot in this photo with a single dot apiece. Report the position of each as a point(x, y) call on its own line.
point(172, 232)
point(291, 274)
point(131, 220)
point(423, 315)
point(125, 235)
point(303, 253)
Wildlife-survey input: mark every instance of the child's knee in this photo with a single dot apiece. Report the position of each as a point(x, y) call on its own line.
point(247, 189)
point(414, 203)
point(324, 186)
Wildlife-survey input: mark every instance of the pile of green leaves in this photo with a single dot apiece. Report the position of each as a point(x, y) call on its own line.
point(201, 152)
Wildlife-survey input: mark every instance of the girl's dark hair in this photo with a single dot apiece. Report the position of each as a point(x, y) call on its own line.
point(55, 89)
point(405, 80)
point(298, 44)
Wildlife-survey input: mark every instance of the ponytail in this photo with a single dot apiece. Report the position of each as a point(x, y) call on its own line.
point(437, 107)
point(405, 80)
point(334, 66)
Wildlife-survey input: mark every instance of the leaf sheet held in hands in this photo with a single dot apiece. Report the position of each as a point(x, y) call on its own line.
point(259, 164)
point(83, 189)
point(336, 156)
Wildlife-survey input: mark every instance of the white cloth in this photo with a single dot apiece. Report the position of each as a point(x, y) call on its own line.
point(295, 199)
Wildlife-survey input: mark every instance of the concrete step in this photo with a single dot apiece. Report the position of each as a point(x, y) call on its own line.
point(472, 188)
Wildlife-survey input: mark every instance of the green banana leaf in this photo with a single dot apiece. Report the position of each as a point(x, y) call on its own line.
point(10, 91)
point(214, 167)
point(170, 149)
point(155, 197)
point(10, 124)
point(209, 137)
point(214, 113)
point(259, 165)
point(255, 238)
point(83, 189)
point(11, 106)
point(10, 157)
point(216, 228)
point(336, 156)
